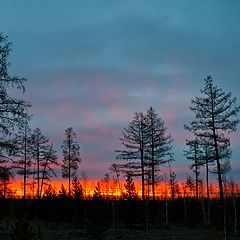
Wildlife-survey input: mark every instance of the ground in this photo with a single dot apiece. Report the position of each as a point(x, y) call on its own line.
point(64, 232)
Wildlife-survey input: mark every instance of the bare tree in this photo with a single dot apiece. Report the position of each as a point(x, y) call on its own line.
point(6, 177)
point(134, 140)
point(174, 187)
point(22, 158)
point(50, 160)
point(194, 155)
point(215, 117)
point(159, 144)
point(13, 111)
point(39, 151)
point(71, 156)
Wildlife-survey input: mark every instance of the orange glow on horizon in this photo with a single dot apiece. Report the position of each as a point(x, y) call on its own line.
point(113, 189)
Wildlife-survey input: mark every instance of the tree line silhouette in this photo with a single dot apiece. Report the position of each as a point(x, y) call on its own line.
point(147, 148)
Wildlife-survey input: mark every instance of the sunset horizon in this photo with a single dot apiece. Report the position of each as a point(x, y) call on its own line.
point(119, 120)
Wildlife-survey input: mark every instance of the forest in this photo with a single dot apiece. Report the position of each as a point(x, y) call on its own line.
point(134, 200)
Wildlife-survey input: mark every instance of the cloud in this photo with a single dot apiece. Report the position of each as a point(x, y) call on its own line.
point(91, 65)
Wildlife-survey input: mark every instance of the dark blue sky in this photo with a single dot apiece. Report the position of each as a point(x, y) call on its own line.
point(92, 64)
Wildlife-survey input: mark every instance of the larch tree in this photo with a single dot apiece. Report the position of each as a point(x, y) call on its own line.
point(174, 186)
point(22, 159)
point(12, 110)
point(194, 154)
point(159, 145)
point(71, 156)
point(134, 140)
point(50, 160)
point(6, 177)
point(130, 190)
point(39, 151)
point(207, 159)
point(215, 118)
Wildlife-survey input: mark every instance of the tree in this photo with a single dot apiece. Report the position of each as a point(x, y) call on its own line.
point(129, 186)
point(207, 159)
point(194, 155)
point(215, 118)
point(189, 184)
point(50, 160)
point(159, 144)
point(12, 110)
point(106, 181)
point(174, 187)
point(115, 169)
point(77, 189)
point(71, 156)
point(97, 192)
point(62, 193)
point(49, 192)
point(6, 177)
point(43, 154)
point(23, 154)
point(134, 140)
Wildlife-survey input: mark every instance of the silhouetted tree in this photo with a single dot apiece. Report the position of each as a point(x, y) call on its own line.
point(22, 159)
point(134, 139)
point(13, 111)
point(129, 186)
point(39, 152)
point(116, 170)
point(6, 177)
point(194, 155)
point(50, 160)
point(77, 190)
point(71, 156)
point(190, 185)
point(84, 179)
point(159, 144)
point(97, 192)
point(215, 115)
point(174, 187)
point(207, 158)
point(49, 192)
point(62, 192)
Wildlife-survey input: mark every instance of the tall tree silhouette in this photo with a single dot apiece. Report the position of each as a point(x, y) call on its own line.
point(207, 159)
point(174, 187)
point(159, 144)
point(39, 151)
point(6, 177)
point(215, 117)
point(194, 155)
point(71, 156)
point(13, 111)
point(23, 155)
point(49, 161)
point(134, 140)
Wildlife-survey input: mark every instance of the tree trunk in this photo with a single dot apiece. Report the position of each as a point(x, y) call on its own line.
point(38, 173)
point(25, 164)
point(142, 173)
point(222, 206)
point(153, 171)
point(196, 169)
point(208, 196)
point(69, 168)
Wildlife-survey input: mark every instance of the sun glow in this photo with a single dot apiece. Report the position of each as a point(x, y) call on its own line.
point(112, 189)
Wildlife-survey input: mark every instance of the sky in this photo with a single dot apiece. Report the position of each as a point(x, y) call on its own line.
point(91, 64)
